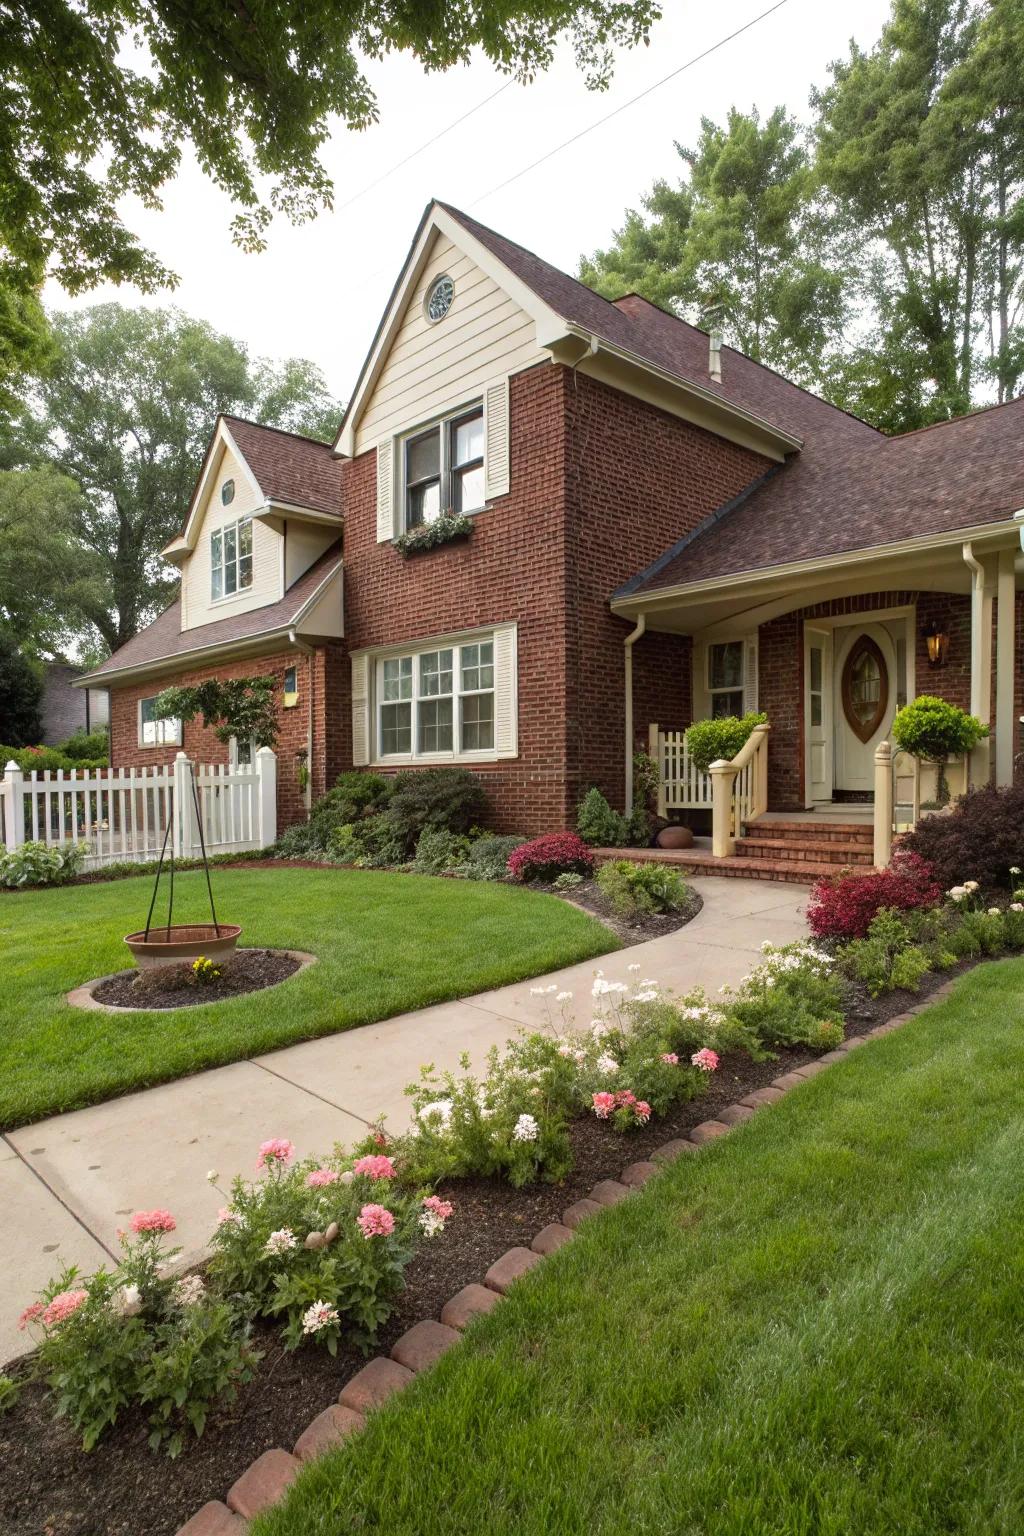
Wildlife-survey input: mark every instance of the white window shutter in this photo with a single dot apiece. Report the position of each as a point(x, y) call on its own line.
point(496, 437)
point(385, 490)
point(506, 691)
point(360, 711)
point(750, 675)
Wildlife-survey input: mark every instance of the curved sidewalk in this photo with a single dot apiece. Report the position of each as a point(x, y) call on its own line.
point(67, 1183)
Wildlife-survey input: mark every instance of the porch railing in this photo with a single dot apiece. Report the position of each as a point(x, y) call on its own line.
point(734, 792)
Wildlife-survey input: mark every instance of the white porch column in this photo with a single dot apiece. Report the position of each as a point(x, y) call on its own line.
point(883, 805)
point(981, 661)
point(1006, 595)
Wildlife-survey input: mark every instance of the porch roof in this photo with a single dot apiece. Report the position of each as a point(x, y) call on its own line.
point(854, 493)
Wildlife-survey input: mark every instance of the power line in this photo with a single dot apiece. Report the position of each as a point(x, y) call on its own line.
point(697, 59)
point(422, 148)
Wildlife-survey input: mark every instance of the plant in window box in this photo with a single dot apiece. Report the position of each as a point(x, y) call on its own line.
point(443, 530)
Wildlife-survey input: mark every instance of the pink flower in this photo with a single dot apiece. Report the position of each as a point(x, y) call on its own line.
point(604, 1103)
point(320, 1177)
point(276, 1150)
point(706, 1060)
point(62, 1307)
point(153, 1221)
point(642, 1110)
point(440, 1208)
point(375, 1167)
point(30, 1314)
point(376, 1221)
point(624, 1098)
point(227, 1214)
point(670, 1059)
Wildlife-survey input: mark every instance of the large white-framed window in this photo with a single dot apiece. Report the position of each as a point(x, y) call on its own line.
point(154, 732)
point(436, 703)
point(231, 558)
point(443, 467)
point(725, 678)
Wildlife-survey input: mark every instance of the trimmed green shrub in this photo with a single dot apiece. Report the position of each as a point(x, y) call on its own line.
point(41, 759)
point(87, 746)
point(452, 798)
point(708, 741)
point(36, 864)
point(934, 729)
point(598, 824)
point(634, 889)
point(886, 959)
point(439, 851)
point(355, 795)
point(489, 856)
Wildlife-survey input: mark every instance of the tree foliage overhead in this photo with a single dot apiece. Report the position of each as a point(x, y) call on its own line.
point(125, 413)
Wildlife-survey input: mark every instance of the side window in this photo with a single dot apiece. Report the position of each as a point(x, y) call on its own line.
point(291, 687)
point(725, 678)
point(154, 732)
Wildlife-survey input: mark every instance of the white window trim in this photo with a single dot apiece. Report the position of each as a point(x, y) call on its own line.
point(153, 746)
point(710, 692)
point(449, 414)
point(416, 648)
point(233, 760)
point(233, 522)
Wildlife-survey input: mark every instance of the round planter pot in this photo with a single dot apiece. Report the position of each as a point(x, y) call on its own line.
point(180, 943)
point(675, 837)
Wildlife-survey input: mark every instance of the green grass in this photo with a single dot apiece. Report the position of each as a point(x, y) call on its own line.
point(812, 1329)
point(385, 943)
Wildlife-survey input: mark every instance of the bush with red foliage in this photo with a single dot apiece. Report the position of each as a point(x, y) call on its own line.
point(556, 853)
point(842, 907)
point(981, 838)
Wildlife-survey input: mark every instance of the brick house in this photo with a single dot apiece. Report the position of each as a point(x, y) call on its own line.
point(661, 529)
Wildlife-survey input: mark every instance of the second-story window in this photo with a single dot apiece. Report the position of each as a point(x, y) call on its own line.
point(231, 558)
point(444, 468)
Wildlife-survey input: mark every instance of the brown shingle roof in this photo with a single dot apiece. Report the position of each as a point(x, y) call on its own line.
point(288, 467)
point(165, 639)
point(955, 474)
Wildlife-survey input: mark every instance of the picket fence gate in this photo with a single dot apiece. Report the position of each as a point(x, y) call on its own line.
point(124, 813)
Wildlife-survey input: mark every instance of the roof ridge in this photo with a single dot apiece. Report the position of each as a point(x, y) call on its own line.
point(952, 421)
point(265, 426)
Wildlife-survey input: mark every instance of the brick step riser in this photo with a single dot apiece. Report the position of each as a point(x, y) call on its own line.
point(791, 874)
point(807, 831)
point(841, 859)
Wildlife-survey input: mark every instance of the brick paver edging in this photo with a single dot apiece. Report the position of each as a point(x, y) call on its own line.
point(267, 1480)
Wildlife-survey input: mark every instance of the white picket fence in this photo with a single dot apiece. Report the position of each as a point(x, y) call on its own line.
point(123, 813)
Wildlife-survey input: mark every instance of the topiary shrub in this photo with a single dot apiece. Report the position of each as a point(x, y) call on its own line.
point(933, 729)
point(981, 838)
point(598, 824)
point(637, 889)
point(708, 741)
point(488, 857)
point(451, 798)
point(843, 906)
point(547, 857)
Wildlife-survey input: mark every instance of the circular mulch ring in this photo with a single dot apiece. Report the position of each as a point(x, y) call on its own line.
point(173, 986)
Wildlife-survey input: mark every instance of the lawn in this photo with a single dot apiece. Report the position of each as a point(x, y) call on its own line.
point(385, 943)
point(813, 1328)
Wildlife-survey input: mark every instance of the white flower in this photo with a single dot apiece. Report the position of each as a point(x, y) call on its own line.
point(320, 1315)
point(607, 1064)
point(536, 991)
point(439, 1110)
point(648, 981)
point(431, 1223)
point(346, 1177)
point(212, 1176)
point(127, 1301)
point(525, 1129)
point(994, 912)
point(1017, 906)
point(1014, 869)
point(957, 892)
point(188, 1291)
point(648, 996)
point(565, 1050)
point(970, 885)
point(280, 1241)
point(635, 966)
point(766, 946)
point(564, 997)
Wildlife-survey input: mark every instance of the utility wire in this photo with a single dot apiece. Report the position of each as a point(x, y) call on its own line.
point(674, 74)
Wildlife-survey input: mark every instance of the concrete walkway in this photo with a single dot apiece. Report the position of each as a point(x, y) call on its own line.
point(67, 1183)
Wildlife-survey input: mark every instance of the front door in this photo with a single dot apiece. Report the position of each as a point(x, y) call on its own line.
point(864, 702)
point(818, 712)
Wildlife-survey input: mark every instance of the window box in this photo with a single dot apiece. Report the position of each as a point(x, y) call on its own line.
point(445, 529)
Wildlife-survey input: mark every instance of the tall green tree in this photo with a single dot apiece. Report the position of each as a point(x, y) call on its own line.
point(99, 99)
point(21, 694)
point(47, 575)
point(125, 413)
point(742, 243)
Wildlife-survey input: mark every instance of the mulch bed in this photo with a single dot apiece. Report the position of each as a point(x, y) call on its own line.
point(175, 986)
point(50, 1487)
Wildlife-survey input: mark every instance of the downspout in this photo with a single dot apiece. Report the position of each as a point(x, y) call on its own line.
point(309, 653)
point(631, 639)
point(977, 641)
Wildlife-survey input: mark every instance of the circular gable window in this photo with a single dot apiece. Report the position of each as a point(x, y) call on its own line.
point(227, 492)
point(439, 300)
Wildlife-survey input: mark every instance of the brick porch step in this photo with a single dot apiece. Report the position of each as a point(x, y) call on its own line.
point(823, 831)
point(813, 849)
point(698, 862)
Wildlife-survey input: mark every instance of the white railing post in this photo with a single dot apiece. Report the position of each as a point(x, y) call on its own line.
point(654, 751)
point(184, 834)
point(723, 841)
point(883, 804)
point(14, 806)
point(266, 791)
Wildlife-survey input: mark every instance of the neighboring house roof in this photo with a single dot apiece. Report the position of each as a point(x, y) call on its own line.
point(289, 468)
point(860, 494)
point(165, 640)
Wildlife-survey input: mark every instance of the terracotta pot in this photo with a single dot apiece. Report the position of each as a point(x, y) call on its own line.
point(181, 943)
point(675, 837)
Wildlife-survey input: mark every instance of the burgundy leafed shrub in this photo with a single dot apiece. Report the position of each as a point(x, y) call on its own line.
point(981, 839)
point(842, 906)
point(557, 853)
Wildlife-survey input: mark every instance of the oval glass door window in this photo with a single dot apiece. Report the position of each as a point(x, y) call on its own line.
point(865, 688)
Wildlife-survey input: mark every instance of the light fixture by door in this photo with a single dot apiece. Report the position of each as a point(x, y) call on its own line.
point(937, 641)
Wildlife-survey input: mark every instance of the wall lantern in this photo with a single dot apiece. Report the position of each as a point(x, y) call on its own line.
point(937, 642)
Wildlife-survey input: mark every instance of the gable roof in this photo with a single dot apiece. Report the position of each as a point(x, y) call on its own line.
point(861, 494)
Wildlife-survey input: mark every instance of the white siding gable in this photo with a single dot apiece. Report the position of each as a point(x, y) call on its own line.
point(267, 574)
point(431, 369)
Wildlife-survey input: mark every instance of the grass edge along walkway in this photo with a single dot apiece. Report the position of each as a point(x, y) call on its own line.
point(811, 1329)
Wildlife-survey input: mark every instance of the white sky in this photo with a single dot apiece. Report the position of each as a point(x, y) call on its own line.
point(318, 291)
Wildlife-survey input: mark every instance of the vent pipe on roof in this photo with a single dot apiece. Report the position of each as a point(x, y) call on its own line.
point(715, 357)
